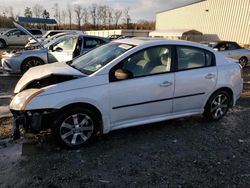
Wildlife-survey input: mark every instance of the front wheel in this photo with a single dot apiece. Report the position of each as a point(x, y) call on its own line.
point(2, 44)
point(29, 63)
point(217, 106)
point(243, 61)
point(76, 127)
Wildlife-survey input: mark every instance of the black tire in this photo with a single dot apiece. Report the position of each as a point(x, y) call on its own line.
point(30, 62)
point(2, 44)
point(69, 130)
point(243, 61)
point(217, 105)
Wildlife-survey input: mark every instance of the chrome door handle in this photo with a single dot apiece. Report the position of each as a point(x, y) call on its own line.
point(209, 76)
point(166, 84)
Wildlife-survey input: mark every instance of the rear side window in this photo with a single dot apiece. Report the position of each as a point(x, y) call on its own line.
point(53, 33)
point(191, 58)
point(35, 32)
point(92, 42)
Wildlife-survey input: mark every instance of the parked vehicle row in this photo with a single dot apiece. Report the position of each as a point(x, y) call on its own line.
point(63, 48)
point(231, 50)
point(125, 83)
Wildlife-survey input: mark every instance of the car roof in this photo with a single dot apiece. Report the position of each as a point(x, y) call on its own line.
point(139, 41)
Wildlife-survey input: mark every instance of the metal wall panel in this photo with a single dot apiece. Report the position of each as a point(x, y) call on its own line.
point(227, 19)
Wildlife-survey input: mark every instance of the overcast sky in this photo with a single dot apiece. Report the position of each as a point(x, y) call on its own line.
point(139, 9)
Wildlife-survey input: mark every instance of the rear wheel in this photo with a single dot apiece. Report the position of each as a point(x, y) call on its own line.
point(2, 44)
point(76, 127)
point(29, 63)
point(217, 106)
point(243, 61)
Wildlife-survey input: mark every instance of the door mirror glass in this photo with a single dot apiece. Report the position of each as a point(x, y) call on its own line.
point(51, 48)
point(58, 49)
point(121, 74)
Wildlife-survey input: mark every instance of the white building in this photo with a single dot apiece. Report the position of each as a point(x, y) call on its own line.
point(125, 32)
point(216, 19)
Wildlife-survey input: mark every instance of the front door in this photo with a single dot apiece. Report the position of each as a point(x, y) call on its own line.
point(16, 37)
point(147, 94)
point(63, 50)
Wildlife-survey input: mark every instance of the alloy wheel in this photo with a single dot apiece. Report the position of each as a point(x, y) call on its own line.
point(31, 63)
point(219, 106)
point(76, 129)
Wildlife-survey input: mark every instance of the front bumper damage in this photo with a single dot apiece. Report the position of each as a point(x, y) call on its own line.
point(33, 121)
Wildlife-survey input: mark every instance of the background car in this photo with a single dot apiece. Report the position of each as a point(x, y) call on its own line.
point(64, 48)
point(32, 44)
point(231, 50)
point(15, 37)
point(49, 35)
point(126, 83)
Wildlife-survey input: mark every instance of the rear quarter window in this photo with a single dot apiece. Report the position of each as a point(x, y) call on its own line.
point(192, 58)
point(35, 32)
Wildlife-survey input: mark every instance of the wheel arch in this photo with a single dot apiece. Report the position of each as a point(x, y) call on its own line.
point(27, 58)
point(228, 90)
point(5, 42)
point(88, 106)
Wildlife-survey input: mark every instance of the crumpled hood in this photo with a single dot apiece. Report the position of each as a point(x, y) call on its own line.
point(43, 71)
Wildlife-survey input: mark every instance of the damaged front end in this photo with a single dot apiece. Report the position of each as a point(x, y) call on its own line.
point(33, 121)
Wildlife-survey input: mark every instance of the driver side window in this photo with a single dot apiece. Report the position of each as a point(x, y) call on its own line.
point(67, 44)
point(149, 61)
point(13, 33)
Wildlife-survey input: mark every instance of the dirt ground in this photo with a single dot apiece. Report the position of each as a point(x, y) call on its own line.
point(187, 152)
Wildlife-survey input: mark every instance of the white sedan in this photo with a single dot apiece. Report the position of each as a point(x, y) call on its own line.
point(125, 83)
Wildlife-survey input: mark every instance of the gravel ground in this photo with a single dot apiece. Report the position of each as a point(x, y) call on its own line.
point(188, 152)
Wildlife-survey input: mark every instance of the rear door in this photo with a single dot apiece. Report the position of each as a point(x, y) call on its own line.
point(195, 78)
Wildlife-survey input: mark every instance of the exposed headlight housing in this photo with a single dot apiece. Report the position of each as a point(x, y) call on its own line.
point(22, 99)
point(16, 54)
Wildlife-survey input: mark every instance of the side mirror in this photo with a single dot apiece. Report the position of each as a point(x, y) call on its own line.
point(121, 74)
point(51, 48)
point(58, 49)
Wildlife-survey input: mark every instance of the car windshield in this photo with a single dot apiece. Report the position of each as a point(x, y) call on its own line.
point(99, 57)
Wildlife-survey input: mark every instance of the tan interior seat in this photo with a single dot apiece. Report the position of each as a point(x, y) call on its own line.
point(165, 63)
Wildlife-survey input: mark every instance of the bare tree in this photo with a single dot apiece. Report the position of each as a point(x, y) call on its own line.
point(110, 16)
point(63, 17)
point(11, 12)
point(126, 17)
point(117, 17)
point(93, 14)
point(69, 13)
point(104, 14)
point(85, 16)
point(57, 14)
point(37, 10)
point(79, 14)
